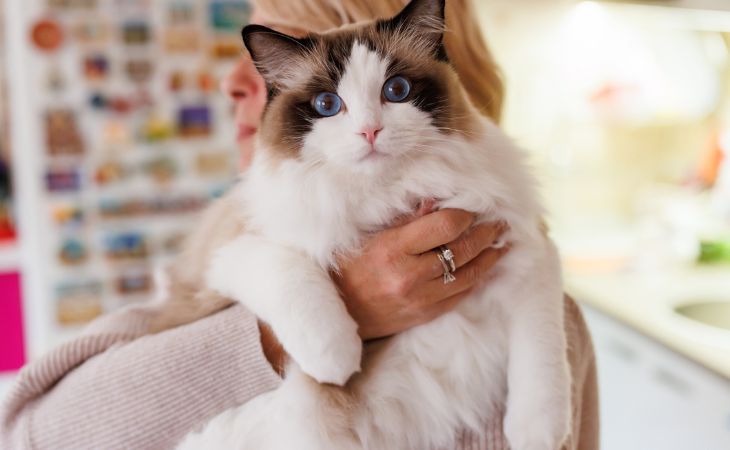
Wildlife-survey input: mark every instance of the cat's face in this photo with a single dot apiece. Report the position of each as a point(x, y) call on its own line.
point(362, 98)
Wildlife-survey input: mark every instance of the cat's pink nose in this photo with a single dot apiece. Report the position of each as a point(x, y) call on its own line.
point(370, 133)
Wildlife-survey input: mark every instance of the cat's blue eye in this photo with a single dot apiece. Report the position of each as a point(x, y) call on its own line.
point(327, 104)
point(396, 89)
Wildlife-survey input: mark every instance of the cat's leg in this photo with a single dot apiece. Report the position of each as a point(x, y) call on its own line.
point(297, 298)
point(538, 403)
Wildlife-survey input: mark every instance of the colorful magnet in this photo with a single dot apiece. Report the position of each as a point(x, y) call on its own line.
point(138, 70)
point(181, 40)
point(226, 48)
point(194, 121)
point(110, 172)
point(91, 31)
point(176, 81)
point(7, 230)
point(78, 302)
point(63, 180)
point(62, 133)
point(133, 283)
point(136, 33)
point(214, 164)
point(206, 81)
point(161, 170)
point(180, 13)
point(96, 67)
point(73, 252)
point(130, 245)
point(97, 101)
point(156, 129)
point(55, 80)
point(47, 35)
point(115, 133)
point(68, 215)
point(229, 16)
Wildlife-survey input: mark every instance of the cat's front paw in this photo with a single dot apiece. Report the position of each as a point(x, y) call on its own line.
point(539, 425)
point(329, 354)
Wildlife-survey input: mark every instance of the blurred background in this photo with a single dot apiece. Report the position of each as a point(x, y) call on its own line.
point(113, 134)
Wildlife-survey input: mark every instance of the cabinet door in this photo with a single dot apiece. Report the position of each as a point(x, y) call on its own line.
point(12, 348)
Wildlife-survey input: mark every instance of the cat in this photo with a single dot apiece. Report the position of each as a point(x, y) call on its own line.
point(362, 122)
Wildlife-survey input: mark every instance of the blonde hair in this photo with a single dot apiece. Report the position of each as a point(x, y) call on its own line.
point(467, 48)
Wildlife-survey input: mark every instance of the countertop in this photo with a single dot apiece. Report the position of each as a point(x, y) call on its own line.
point(645, 300)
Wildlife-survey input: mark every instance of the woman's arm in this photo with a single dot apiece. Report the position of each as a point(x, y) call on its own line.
point(104, 391)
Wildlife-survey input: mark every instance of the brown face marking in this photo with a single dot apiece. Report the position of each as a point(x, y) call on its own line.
point(416, 55)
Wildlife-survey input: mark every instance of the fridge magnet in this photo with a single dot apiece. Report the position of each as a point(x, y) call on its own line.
point(120, 105)
point(138, 70)
point(161, 170)
point(63, 180)
point(214, 164)
point(176, 80)
point(130, 245)
point(115, 133)
point(96, 67)
point(229, 16)
point(62, 133)
point(72, 252)
point(97, 101)
point(206, 81)
point(194, 121)
point(110, 172)
point(78, 302)
point(133, 283)
point(156, 129)
point(7, 230)
point(55, 80)
point(68, 215)
point(226, 48)
point(136, 33)
point(47, 35)
point(181, 40)
point(92, 31)
point(180, 13)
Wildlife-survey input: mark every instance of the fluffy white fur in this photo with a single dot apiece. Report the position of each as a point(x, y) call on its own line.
point(501, 350)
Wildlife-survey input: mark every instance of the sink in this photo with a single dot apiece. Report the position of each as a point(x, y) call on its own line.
point(712, 313)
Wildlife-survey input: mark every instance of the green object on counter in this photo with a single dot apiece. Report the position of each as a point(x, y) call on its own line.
point(712, 252)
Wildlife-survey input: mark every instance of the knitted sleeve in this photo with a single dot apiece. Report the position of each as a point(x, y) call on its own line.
point(115, 387)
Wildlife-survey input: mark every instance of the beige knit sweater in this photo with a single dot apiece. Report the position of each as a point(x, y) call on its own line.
point(117, 387)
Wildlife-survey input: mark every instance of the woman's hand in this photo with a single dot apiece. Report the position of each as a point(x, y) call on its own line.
point(397, 281)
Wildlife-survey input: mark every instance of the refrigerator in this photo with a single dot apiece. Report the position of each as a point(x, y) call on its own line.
point(120, 135)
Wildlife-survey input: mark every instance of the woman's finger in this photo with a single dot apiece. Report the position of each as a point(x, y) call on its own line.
point(467, 276)
point(467, 247)
point(432, 230)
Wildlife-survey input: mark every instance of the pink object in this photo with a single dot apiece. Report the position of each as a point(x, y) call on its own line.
point(12, 347)
point(370, 133)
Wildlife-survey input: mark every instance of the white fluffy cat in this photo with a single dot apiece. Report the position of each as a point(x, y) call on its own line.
point(363, 122)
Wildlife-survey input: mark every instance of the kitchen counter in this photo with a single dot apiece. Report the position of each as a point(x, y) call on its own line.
point(646, 302)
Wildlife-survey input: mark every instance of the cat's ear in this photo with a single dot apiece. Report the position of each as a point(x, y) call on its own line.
point(274, 54)
point(428, 19)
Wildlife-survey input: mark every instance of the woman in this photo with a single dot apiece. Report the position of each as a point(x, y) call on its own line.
point(119, 386)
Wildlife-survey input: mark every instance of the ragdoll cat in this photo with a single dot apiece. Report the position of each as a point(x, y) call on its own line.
point(361, 123)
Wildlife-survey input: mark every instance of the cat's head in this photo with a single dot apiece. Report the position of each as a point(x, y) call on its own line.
point(361, 97)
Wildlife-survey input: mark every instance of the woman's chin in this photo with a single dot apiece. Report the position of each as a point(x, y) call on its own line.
point(245, 150)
